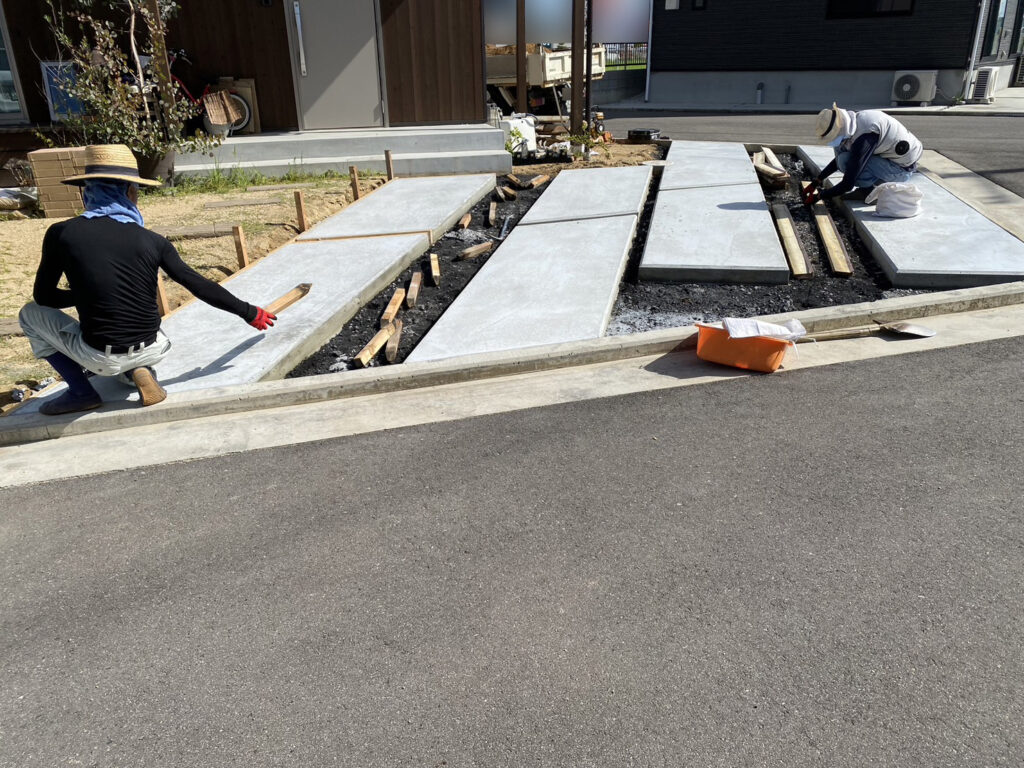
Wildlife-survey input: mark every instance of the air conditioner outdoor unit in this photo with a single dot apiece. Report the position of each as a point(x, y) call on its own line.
point(914, 85)
point(984, 84)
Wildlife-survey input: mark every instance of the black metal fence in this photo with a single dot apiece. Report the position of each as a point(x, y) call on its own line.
point(625, 55)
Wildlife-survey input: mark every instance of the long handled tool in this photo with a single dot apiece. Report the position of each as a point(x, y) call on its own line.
point(899, 329)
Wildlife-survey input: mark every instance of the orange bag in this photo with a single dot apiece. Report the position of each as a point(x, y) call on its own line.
point(757, 353)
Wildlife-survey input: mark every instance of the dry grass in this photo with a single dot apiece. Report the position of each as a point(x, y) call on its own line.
point(267, 227)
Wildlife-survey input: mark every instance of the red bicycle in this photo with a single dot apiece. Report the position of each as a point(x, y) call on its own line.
point(211, 128)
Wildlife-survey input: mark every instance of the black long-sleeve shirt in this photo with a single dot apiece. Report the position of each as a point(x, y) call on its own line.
point(860, 152)
point(112, 273)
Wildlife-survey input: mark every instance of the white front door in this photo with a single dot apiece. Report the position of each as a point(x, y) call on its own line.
point(335, 63)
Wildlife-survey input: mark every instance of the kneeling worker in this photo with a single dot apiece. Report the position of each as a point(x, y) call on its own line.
point(111, 264)
point(871, 148)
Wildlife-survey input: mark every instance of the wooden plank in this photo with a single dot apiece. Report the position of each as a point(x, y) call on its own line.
point(838, 258)
point(465, 221)
point(435, 269)
point(367, 353)
point(492, 214)
point(772, 160)
point(239, 203)
point(476, 250)
point(219, 229)
point(500, 194)
point(353, 173)
point(281, 187)
point(281, 303)
point(300, 211)
point(161, 295)
point(770, 173)
point(538, 181)
point(510, 193)
point(394, 306)
point(799, 264)
point(516, 181)
point(389, 163)
point(241, 250)
point(391, 350)
point(9, 327)
point(758, 157)
point(412, 295)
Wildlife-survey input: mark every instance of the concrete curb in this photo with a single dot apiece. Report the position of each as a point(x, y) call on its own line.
point(373, 381)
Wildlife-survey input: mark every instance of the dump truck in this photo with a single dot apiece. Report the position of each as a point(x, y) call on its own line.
point(548, 76)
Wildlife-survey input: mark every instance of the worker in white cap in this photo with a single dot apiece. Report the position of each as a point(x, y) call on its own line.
point(871, 149)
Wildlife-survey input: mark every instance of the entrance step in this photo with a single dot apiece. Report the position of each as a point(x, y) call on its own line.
point(416, 151)
point(949, 245)
point(429, 206)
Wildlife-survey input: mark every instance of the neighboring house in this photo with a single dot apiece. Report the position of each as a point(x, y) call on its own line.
point(716, 53)
point(316, 63)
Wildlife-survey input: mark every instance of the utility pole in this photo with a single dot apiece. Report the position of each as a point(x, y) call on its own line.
point(522, 105)
point(590, 62)
point(578, 52)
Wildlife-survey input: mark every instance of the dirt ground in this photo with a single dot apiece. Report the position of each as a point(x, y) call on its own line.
point(266, 228)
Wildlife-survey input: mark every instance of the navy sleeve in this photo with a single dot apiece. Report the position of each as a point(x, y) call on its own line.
point(861, 151)
point(203, 289)
point(45, 291)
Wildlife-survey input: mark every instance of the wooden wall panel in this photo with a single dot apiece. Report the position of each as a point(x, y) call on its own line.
point(30, 43)
point(433, 60)
point(239, 38)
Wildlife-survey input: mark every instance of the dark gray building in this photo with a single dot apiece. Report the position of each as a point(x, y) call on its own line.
point(809, 52)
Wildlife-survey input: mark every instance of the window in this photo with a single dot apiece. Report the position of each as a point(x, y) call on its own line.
point(996, 29)
point(10, 100)
point(866, 9)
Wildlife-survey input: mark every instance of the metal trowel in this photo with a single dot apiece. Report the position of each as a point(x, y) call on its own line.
point(876, 329)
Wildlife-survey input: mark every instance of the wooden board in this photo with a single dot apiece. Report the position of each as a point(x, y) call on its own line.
point(282, 303)
point(413, 294)
point(239, 203)
point(770, 173)
point(465, 221)
point(300, 211)
point(539, 181)
point(241, 249)
point(394, 306)
point(492, 214)
point(220, 229)
point(772, 160)
point(476, 250)
point(799, 264)
point(367, 353)
point(500, 194)
point(435, 269)
point(510, 193)
point(838, 258)
point(391, 350)
point(516, 181)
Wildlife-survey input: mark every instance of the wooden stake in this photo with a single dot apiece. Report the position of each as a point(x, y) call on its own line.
point(476, 250)
point(435, 270)
point(516, 181)
point(798, 262)
point(465, 221)
point(280, 304)
point(772, 160)
point(389, 163)
point(161, 296)
point(353, 172)
point(838, 258)
point(393, 307)
point(367, 353)
point(300, 211)
point(413, 294)
point(538, 181)
point(500, 193)
point(240, 247)
point(391, 350)
point(510, 193)
point(492, 214)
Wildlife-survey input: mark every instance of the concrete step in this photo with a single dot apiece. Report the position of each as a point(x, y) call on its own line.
point(299, 145)
point(406, 164)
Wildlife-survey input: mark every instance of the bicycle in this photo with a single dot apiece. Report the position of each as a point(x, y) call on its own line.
point(240, 101)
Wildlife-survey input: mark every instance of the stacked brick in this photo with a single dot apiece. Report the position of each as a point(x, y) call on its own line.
point(50, 167)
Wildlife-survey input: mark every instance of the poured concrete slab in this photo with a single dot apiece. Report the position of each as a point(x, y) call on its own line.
point(714, 234)
point(949, 245)
point(547, 283)
point(707, 164)
point(426, 204)
point(591, 193)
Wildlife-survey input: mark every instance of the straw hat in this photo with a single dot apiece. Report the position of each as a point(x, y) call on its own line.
point(111, 162)
point(831, 123)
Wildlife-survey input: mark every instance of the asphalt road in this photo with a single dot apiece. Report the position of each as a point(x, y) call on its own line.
point(988, 145)
point(816, 568)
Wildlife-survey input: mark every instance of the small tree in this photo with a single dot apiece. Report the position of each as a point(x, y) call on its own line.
point(121, 101)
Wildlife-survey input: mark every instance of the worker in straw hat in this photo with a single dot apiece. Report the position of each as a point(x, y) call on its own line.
point(871, 148)
point(110, 262)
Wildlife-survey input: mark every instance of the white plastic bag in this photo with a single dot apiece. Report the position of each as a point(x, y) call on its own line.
point(745, 327)
point(896, 199)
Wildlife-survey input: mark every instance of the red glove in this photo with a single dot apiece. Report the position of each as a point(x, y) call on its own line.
point(263, 319)
point(812, 193)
